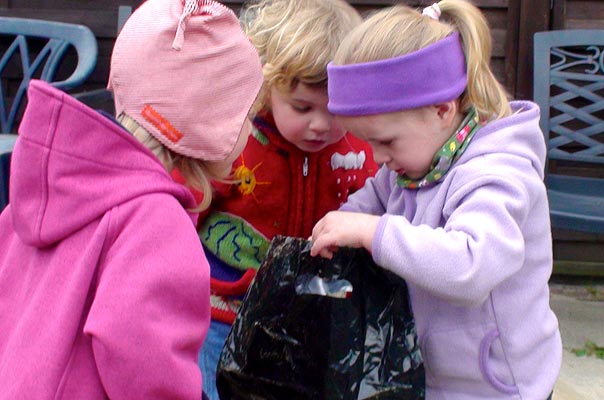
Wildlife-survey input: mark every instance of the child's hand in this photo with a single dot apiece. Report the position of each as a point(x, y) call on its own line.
point(342, 229)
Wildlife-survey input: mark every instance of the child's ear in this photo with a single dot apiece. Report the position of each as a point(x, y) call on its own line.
point(447, 112)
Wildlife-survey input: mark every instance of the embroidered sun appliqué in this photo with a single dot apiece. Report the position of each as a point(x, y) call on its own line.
point(247, 179)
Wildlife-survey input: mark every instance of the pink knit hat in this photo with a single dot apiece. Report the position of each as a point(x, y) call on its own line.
point(186, 72)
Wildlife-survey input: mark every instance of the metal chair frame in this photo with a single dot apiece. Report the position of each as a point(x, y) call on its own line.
point(569, 88)
point(60, 37)
point(56, 39)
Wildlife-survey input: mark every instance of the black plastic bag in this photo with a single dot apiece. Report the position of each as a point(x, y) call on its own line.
point(312, 328)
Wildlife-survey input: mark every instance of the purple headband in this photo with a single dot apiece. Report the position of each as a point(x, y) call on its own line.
point(431, 75)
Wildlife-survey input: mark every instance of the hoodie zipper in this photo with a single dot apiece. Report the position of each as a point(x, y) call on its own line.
point(305, 167)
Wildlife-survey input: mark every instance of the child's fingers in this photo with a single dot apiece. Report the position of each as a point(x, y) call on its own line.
point(326, 253)
point(321, 246)
point(324, 237)
point(317, 232)
point(315, 249)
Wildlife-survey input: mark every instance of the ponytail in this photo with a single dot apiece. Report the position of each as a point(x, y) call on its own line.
point(483, 92)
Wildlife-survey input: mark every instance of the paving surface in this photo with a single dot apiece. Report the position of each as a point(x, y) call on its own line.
point(580, 311)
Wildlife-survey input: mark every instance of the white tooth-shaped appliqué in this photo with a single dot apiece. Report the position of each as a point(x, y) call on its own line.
point(348, 161)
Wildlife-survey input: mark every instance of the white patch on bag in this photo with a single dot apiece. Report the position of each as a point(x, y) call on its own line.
point(312, 284)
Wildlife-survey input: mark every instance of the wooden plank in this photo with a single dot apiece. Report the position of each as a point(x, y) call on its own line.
point(558, 14)
point(585, 9)
point(102, 23)
point(385, 3)
point(587, 237)
point(497, 18)
point(510, 75)
point(578, 268)
point(74, 4)
point(577, 14)
point(571, 23)
point(492, 3)
point(100, 74)
point(374, 3)
point(498, 67)
point(534, 17)
point(499, 37)
point(578, 250)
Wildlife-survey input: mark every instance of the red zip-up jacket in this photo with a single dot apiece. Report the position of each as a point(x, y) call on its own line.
point(284, 191)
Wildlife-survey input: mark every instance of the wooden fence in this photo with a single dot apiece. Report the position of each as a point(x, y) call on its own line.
point(513, 24)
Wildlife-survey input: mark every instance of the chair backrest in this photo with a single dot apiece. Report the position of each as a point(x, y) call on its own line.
point(569, 88)
point(123, 13)
point(4, 176)
point(57, 38)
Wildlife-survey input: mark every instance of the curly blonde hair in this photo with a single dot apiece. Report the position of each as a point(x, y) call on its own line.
point(197, 173)
point(296, 39)
point(399, 30)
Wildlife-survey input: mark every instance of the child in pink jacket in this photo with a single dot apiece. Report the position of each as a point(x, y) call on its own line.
point(104, 287)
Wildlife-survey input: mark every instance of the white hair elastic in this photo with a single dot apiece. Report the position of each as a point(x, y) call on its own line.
point(432, 11)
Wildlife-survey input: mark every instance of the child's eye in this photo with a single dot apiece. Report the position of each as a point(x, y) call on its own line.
point(385, 142)
point(301, 109)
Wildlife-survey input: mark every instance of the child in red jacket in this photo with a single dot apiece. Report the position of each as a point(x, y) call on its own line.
point(298, 163)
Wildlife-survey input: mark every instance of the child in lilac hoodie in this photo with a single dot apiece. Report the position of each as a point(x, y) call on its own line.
point(104, 287)
point(459, 208)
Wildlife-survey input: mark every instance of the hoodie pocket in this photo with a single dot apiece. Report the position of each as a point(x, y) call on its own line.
point(469, 359)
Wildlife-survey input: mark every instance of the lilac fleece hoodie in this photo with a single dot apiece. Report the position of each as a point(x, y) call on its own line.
point(476, 252)
point(104, 287)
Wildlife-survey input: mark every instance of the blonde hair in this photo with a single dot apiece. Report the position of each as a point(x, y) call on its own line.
point(197, 173)
point(296, 39)
point(399, 30)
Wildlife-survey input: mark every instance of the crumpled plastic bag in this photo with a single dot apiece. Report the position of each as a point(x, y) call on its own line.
point(313, 328)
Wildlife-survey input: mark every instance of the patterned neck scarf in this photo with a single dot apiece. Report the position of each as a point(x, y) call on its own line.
point(447, 155)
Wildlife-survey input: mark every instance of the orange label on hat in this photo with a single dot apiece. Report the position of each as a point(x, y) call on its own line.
point(163, 125)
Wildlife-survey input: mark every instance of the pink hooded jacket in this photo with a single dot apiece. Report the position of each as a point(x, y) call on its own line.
point(104, 287)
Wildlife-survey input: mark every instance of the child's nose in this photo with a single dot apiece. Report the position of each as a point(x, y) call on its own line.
point(380, 157)
point(321, 123)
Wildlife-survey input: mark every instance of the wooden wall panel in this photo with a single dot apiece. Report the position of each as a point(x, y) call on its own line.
point(513, 24)
point(496, 12)
point(578, 14)
point(103, 22)
point(533, 16)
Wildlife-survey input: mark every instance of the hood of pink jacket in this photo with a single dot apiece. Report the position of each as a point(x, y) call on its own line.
point(60, 183)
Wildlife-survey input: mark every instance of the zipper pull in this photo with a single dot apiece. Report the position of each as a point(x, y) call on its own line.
point(305, 167)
